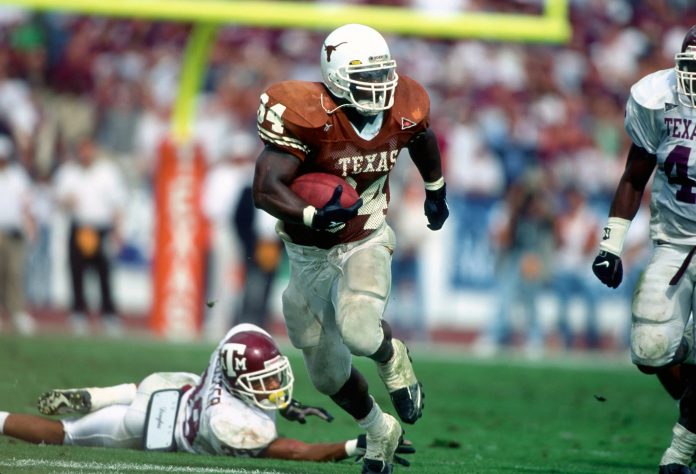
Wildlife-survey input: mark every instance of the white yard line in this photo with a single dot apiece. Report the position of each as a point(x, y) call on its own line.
point(95, 466)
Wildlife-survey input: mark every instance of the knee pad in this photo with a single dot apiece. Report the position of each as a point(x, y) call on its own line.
point(652, 347)
point(361, 299)
point(360, 325)
point(301, 320)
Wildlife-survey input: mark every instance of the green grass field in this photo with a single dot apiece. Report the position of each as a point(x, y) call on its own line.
point(481, 416)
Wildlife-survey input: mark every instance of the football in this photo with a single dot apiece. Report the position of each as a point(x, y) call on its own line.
point(317, 189)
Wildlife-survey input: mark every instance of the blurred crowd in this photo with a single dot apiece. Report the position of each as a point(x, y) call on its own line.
point(531, 134)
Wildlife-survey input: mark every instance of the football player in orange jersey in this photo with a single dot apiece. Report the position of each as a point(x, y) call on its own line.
point(353, 125)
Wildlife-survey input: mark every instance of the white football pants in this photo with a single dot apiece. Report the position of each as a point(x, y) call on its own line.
point(122, 426)
point(334, 302)
point(660, 310)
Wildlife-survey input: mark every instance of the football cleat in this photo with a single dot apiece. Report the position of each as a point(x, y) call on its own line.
point(58, 402)
point(675, 469)
point(404, 389)
point(379, 453)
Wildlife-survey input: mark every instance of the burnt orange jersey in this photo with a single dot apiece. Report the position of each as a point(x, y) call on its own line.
point(293, 117)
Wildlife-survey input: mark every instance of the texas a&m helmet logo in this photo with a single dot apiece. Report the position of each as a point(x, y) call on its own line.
point(233, 359)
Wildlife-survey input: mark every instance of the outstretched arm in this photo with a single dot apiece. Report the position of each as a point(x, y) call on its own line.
point(286, 448)
point(296, 450)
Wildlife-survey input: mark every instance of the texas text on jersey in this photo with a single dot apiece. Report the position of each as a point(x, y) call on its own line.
point(658, 121)
point(301, 118)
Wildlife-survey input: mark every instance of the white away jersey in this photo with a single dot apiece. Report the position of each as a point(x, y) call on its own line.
point(657, 122)
point(213, 421)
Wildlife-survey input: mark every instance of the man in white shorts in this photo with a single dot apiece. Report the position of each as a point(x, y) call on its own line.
point(661, 121)
point(228, 410)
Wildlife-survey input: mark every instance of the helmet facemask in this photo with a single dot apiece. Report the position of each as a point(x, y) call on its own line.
point(253, 369)
point(686, 76)
point(269, 389)
point(370, 88)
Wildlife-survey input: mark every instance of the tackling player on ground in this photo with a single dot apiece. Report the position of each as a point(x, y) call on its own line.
point(228, 410)
point(661, 121)
point(353, 125)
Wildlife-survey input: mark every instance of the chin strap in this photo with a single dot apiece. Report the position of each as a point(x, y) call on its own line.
point(347, 104)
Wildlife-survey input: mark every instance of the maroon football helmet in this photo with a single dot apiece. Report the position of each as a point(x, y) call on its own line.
point(686, 69)
point(254, 369)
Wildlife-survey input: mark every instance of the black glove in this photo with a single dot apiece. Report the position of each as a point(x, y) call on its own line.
point(608, 268)
point(404, 447)
point(333, 214)
point(435, 207)
point(295, 411)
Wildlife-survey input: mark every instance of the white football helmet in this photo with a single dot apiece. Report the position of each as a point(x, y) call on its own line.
point(356, 66)
point(686, 70)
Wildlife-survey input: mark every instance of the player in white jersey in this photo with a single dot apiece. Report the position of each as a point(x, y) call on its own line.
point(661, 121)
point(229, 410)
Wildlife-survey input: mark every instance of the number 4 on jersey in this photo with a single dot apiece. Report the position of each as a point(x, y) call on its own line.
point(678, 161)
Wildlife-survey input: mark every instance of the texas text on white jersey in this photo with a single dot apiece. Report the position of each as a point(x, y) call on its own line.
point(213, 421)
point(657, 122)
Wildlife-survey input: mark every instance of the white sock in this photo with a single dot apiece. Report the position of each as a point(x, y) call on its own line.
point(3, 417)
point(682, 448)
point(374, 423)
point(122, 394)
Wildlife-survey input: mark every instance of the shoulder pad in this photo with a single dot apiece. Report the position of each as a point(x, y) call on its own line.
point(303, 102)
point(411, 103)
point(656, 89)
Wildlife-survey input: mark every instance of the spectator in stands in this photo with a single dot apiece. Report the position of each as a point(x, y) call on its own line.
point(523, 234)
point(575, 231)
point(15, 226)
point(17, 109)
point(262, 252)
point(92, 192)
point(476, 179)
point(39, 262)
